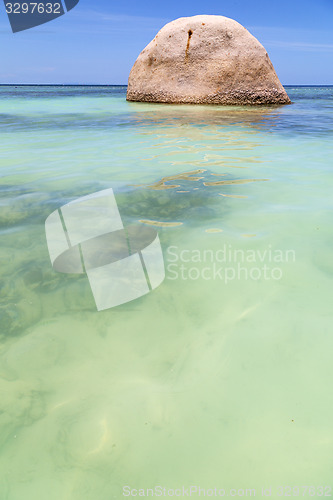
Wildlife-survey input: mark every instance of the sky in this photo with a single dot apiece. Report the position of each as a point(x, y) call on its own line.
point(99, 40)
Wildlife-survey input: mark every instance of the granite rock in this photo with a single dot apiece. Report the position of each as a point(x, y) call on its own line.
point(205, 60)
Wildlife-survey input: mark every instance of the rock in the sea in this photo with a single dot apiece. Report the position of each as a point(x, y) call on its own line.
point(205, 60)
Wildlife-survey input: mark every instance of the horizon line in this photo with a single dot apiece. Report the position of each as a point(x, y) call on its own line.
point(125, 85)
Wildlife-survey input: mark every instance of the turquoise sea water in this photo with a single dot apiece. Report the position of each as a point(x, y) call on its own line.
point(220, 377)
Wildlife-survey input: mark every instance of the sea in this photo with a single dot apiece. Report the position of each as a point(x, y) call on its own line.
point(218, 382)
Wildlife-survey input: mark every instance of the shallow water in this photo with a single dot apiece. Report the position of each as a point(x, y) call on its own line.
point(215, 379)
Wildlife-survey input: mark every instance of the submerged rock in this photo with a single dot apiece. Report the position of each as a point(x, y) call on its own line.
point(205, 60)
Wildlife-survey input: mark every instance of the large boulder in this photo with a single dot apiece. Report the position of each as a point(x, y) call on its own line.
point(205, 60)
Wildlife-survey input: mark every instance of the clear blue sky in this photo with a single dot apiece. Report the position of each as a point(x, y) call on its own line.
point(99, 40)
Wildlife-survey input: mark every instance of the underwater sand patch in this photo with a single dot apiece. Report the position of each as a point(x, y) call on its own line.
point(161, 224)
point(236, 181)
point(211, 164)
point(232, 195)
point(185, 176)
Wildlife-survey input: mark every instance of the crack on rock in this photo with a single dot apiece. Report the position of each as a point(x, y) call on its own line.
point(190, 33)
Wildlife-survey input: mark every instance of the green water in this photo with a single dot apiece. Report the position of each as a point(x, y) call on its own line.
point(206, 381)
